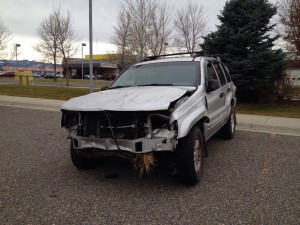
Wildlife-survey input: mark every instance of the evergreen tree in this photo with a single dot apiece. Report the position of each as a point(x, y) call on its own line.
point(244, 44)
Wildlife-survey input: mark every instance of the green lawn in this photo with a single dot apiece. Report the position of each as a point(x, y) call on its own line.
point(62, 82)
point(291, 110)
point(71, 81)
point(60, 93)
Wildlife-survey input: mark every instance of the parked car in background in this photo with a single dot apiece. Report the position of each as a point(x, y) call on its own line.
point(99, 77)
point(51, 75)
point(36, 74)
point(48, 75)
point(75, 76)
point(87, 76)
point(59, 75)
point(7, 74)
point(109, 77)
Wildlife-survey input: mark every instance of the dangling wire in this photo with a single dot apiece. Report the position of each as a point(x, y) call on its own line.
point(111, 130)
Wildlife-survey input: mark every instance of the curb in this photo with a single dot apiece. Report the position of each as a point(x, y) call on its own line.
point(279, 125)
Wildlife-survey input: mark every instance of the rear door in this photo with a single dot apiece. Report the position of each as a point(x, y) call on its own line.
point(215, 102)
point(224, 92)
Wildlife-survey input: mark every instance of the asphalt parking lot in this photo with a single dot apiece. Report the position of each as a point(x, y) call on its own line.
point(252, 179)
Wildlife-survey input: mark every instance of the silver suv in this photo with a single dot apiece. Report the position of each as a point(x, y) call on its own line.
point(168, 103)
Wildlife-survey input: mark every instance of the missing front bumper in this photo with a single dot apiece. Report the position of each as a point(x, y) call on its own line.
point(141, 145)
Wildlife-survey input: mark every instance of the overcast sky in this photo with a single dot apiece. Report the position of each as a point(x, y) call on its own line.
point(24, 16)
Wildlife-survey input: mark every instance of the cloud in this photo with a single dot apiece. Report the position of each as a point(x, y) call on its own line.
point(23, 18)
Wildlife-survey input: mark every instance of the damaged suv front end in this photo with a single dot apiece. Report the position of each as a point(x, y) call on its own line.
point(127, 131)
point(135, 113)
point(118, 121)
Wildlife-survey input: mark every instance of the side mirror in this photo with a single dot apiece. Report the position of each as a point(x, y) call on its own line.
point(213, 85)
point(104, 88)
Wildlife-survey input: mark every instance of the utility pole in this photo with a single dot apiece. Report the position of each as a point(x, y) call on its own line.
point(17, 45)
point(82, 44)
point(91, 45)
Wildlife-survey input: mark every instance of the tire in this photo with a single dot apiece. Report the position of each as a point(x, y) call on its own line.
point(79, 161)
point(228, 129)
point(189, 157)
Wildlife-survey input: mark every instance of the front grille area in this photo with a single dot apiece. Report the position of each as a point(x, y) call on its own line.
point(124, 125)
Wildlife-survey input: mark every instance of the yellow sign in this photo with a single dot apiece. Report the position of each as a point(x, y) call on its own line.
point(102, 57)
point(23, 77)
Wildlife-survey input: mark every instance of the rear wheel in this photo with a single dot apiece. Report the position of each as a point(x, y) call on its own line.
point(228, 129)
point(80, 161)
point(189, 159)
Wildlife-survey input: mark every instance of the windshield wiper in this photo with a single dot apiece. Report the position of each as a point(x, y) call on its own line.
point(155, 84)
point(120, 86)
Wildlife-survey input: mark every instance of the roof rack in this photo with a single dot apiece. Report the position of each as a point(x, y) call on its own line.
point(193, 54)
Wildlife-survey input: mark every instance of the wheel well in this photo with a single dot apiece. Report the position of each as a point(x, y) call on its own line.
point(201, 122)
point(233, 102)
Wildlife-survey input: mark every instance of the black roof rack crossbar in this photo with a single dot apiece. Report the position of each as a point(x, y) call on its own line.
point(193, 54)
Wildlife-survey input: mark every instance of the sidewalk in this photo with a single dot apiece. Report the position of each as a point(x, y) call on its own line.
point(245, 122)
point(35, 103)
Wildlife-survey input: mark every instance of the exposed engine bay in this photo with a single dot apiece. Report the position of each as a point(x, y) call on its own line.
point(136, 132)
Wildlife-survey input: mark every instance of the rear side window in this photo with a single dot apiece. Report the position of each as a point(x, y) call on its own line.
point(211, 74)
point(228, 78)
point(220, 73)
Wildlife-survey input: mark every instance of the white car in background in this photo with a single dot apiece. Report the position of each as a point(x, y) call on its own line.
point(87, 76)
point(59, 75)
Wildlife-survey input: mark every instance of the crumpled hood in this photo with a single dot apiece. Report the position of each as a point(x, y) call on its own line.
point(126, 99)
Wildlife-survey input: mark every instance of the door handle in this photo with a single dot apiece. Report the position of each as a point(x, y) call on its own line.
point(222, 95)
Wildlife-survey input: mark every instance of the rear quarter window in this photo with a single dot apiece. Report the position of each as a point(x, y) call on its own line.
point(227, 75)
point(220, 73)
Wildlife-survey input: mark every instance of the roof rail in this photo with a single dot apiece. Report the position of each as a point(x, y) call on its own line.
point(193, 54)
point(217, 56)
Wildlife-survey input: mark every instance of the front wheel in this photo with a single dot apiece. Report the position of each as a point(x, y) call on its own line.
point(79, 161)
point(189, 159)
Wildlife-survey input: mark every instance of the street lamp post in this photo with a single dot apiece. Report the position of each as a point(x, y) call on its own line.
point(17, 45)
point(82, 45)
point(91, 45)
point(165, 46)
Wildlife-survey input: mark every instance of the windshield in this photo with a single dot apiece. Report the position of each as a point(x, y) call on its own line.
point(160, 74)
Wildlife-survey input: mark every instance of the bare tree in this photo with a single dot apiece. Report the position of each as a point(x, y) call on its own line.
point(143, 27)
point(66, 39)
point(190, 25)
point(5, 37)
point(289, 13)
point(121, 38)
point(160, 28)
point(47, 46)
point(140, 11)
point(57, 38)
